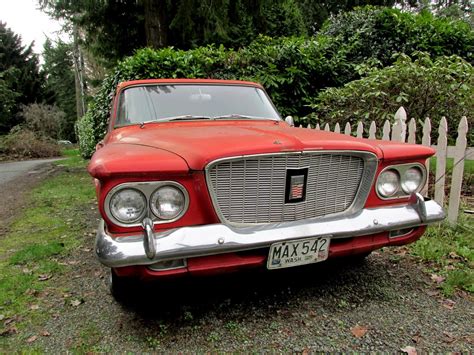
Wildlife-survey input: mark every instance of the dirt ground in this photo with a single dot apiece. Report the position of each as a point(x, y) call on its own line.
point(387, 303)
point(13, 192)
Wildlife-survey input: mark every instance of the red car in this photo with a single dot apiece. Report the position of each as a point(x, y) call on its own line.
point(203, 176)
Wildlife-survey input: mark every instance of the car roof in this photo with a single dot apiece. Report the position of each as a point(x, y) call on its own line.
point(188, 81)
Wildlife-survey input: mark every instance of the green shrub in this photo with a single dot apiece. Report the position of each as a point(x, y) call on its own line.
point(425, 87)
point(371, 32)
point(293, 70)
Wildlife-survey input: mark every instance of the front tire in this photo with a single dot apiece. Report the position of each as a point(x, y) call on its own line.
point(122, 288)
point(358, 259)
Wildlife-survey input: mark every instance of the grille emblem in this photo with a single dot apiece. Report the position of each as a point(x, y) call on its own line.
point(296, 185)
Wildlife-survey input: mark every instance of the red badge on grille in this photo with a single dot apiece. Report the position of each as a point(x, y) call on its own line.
point(296, 185)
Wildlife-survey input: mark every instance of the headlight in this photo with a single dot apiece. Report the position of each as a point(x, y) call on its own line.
point(168, 202)
point(411, 180)
point(388, 183)
point(128, 205)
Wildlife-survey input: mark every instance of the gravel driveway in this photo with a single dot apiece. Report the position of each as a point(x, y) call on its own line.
point(12, 170)
point(385, 303)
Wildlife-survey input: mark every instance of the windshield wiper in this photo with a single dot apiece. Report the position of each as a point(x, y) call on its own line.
point(198, 117)
point(178, 118)
point(187, 117)
point(242, 117)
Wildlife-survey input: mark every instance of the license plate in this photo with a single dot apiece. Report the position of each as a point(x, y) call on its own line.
point(298, 252)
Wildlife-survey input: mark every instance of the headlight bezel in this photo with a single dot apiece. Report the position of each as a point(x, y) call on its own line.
point(401, 169)
point(147, 188)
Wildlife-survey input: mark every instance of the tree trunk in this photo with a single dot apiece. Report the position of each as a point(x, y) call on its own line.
point(79, 74)
point(156, 27)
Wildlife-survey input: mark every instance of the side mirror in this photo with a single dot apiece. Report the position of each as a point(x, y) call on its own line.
point(290, 121)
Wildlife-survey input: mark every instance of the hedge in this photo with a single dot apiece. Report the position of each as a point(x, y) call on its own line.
point(426, 87)
point(293, 70)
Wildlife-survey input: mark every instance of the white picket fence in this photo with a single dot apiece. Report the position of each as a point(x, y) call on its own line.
point(398, 132)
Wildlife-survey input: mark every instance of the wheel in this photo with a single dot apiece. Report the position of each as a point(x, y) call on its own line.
point(358, 259)
point(122, 288)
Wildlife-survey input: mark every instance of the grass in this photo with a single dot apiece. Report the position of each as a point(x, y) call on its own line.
point(73, 159)
point(33, 252)
point(468, 166)
point(448, 250)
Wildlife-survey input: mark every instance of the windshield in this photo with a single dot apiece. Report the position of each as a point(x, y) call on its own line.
point(150, 103)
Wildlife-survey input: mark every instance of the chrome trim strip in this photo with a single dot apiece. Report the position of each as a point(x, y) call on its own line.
point(185, 264)
point(368, 177)
point(391, 236)
point(146, 188)
point(401, 169)
point(212, 239)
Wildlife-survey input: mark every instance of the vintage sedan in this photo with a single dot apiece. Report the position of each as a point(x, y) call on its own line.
point(204, 176)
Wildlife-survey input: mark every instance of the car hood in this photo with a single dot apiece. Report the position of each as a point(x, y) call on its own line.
point(199, 143)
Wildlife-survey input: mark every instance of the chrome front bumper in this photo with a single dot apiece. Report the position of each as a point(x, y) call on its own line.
point(149, 247)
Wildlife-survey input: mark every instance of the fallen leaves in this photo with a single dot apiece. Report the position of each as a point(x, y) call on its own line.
point(453, 255)
point(9, 331)
point(359, 331)
point(76, 302)
point(416, 337)
point(410, 350)
point(34, 307)
point(401, 251)
point(31, 339)
point(31, 292)
point(448, 304)
point(44, 277)
point(448, 338)
point(432, 293)
point(437, 278)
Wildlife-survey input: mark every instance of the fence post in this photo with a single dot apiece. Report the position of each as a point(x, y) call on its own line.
point(360, 129)
point(458, 169)
point(426, 141)
point(337, 128)
point(372, 130)
point(386, 131)
point(347, 129)
point(317, 127)
point(326, 127)
point(441, 153)
point(309, 126)
point(399, 129)
point(412, 131)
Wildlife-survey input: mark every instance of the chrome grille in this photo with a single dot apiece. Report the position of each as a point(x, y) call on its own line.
point(251, 189)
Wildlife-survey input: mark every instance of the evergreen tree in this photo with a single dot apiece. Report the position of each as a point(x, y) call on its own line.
point(60, 83)
point(115, 28)
point(21, 81)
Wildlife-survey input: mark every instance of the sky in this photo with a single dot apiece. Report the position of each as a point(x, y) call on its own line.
point(24, 18)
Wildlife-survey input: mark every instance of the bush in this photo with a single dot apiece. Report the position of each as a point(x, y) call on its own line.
point(372, 32)
point(23, 143)
point(45, 120)
point(283, 66)
point(293, 70)
point(425, 87)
